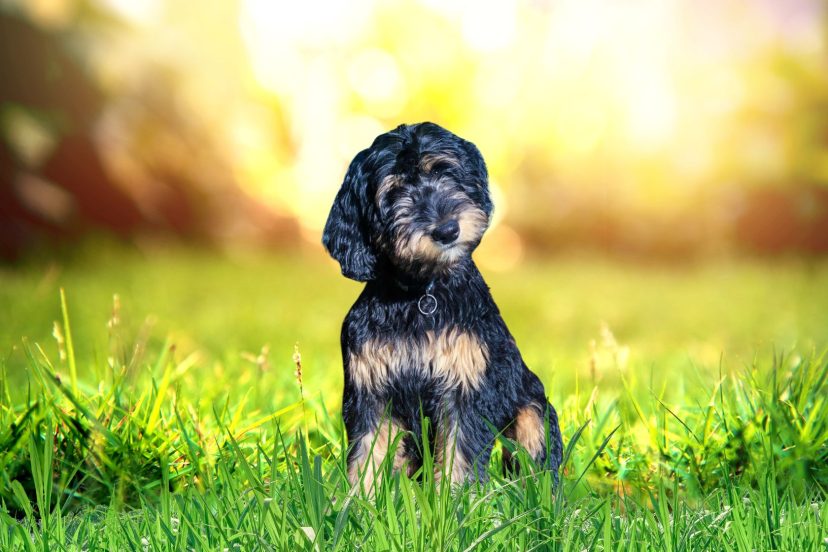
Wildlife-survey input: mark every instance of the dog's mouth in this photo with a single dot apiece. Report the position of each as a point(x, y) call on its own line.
point(450, 253)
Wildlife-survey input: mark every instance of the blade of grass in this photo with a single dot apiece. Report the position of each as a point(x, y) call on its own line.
point(70, 347)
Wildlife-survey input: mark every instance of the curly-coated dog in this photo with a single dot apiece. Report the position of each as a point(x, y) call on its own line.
point(425, 339)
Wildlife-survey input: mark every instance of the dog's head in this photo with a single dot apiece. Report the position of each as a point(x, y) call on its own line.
point(417, 199)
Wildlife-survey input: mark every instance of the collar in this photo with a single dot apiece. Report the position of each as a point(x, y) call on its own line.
point(413, 285)
point(427, 303)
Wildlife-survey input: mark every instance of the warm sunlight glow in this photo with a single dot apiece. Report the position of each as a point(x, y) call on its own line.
point(577, 77)
point(655, 100)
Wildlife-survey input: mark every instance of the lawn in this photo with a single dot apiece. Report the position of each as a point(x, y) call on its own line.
point(199, 409)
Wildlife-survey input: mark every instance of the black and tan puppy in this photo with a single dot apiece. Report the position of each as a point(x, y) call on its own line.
point(425, 338)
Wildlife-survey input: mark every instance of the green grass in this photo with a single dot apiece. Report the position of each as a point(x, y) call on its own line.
point(694, 400)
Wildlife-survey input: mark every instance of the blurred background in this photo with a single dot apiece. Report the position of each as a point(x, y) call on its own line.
point(664, 129)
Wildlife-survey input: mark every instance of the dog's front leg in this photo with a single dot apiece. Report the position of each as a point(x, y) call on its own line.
point(372, 436)
point(362, 418)
point(369, 451)
point(463, 447)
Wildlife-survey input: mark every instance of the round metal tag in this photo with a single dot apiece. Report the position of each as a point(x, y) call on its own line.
point(427, 304)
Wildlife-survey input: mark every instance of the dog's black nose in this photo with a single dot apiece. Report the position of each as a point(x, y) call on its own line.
point(446, 232)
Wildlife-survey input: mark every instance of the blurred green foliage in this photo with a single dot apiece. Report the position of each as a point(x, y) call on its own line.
point(572, 316)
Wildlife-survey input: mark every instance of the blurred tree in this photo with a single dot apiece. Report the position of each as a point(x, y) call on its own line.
point(57, 182)
point(44, 91)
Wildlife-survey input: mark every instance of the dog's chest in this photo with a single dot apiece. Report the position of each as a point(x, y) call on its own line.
point(454, 357)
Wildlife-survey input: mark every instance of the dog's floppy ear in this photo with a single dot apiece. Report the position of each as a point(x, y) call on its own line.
point(475, 166)
point(347, 231)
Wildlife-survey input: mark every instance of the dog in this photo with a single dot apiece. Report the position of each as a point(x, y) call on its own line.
point(425, 340)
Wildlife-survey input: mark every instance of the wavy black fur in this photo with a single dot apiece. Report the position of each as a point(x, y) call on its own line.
point(435, 177)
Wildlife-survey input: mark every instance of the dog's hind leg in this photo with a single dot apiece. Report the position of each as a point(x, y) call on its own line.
point(535, 429)
point(552, 453)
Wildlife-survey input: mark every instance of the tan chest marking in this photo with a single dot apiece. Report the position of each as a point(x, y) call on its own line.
point(454, 356)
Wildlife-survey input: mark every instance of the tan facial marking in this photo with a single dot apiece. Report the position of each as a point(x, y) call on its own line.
point(457, 357)
point(528, 430)
point(428, 161)
point(473, 222)
point(387, 183)
point(422, 247)
point(371, 450)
